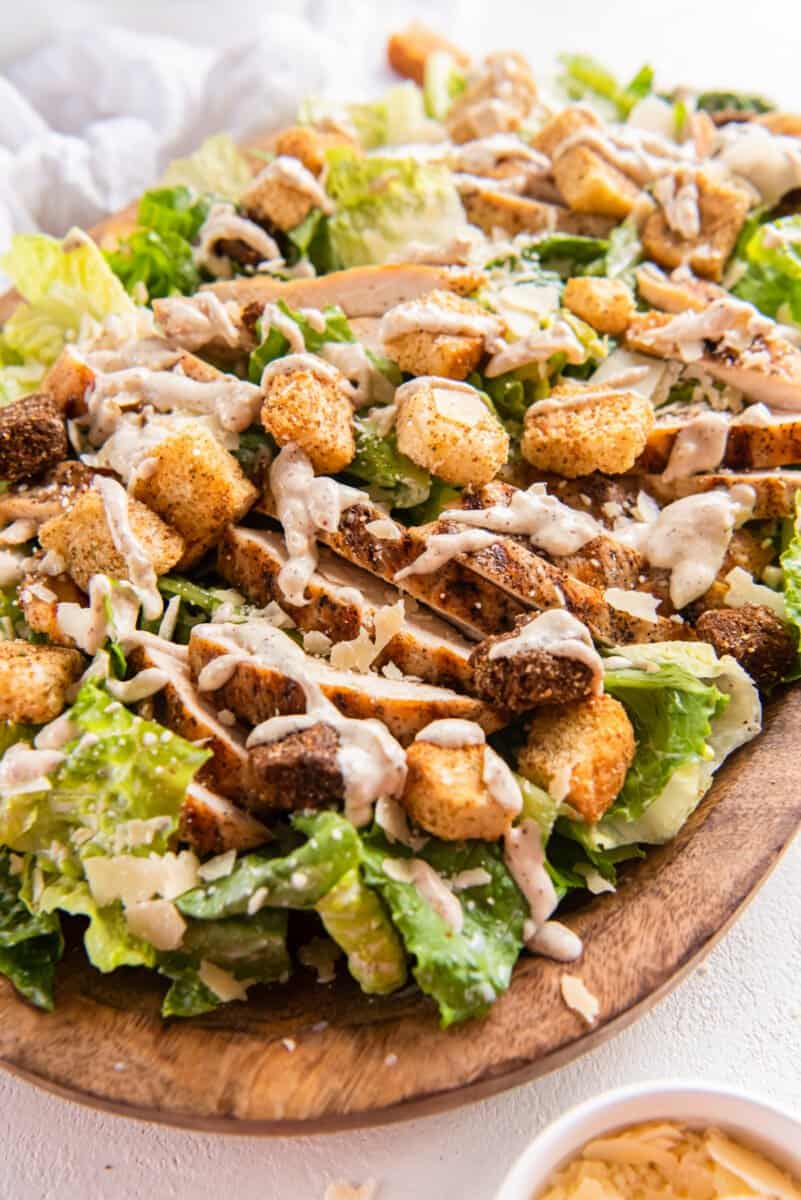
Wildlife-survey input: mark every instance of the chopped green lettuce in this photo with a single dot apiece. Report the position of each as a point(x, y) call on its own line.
point(392, 478)
point(624, 254)
point(218, 168)
point(720, 101)
point(443, 83)
point(569, 254)
point(108, 940)
point(769, 258)
point(791, 567)
point(585, 76)
point(157, 256)
point(298, 879)
point(464, 972)
point(30, 943)
point(273, 344)
point(384, 203)
point(398, 117)
point(355, 917)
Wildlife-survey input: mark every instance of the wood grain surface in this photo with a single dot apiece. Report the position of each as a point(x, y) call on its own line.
point(360, 1061)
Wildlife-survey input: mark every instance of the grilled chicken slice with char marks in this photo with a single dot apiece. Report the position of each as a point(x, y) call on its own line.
point(754, 439)
point(774, 491)
point(211, 824)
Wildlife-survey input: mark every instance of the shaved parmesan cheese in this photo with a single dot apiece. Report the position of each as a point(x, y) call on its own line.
point(384, 529)
point(641, 605)
point(579, 998)
point(157, 922)
point(217, 867)
point(224, 985)
point(361, 653)
point(315, 642)
point(132, 879)
point(474, 877)
point(744, 590)
point(430, 885)
point(391, 817)
point(668, 1161)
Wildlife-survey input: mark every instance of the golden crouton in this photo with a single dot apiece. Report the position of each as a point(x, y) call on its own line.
point(578, 430)
point(298, 771)
point(722, 209)
point(580, 753)
point(606, 304)
point(276, 202)
point(499, 95)
point(313, 412)
point(449, 355)
point(309, 145)
point(34, 681)
point(83, 539)
point(590, 184)
point(446, 794)
point(562, 125)
point(762, 644)
point(491, 210)
point(33, 437)
point(451, 433)
point(39, 598)
point(196, 486)
point(408, 50)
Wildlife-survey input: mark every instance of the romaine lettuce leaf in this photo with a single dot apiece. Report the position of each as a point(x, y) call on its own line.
point(464, 972)
point(443, 83)
point(30, 943)
point(584, 76)
point(769, 258)
point(158, 254)
point(108, 940)
point(296, 880)
point(569, 254)
point(715, 102)
point(791, 566)
point(384, 203)
point(273, 344)
point(218, 168)
point(392, 478)
point(355, 917)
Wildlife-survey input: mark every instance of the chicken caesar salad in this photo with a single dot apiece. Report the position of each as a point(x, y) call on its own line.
point(398, 529)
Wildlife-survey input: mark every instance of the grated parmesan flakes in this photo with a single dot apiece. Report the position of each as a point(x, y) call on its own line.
point(667, 1161)
point(579, 998)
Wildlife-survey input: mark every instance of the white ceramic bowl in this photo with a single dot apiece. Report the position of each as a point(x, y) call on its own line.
point(773, 1131)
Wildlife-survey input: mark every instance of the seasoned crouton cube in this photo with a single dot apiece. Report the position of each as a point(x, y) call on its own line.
point(760, 642)
point(498, 96)
point(722, 209)
point(576, 431)
point(33, 437)
point(39, 598)
point(34, 681)
point(315, 413)
point(424, 351)
point(299, 771)
point(450, 432)
point(446, 794)
point(274, 200)
point(563, 125)
point(580, 753)
point(408, 50)
point(529, 676)
point(196, 486)
point(606, 304)
point(588, 183)
point(83, 539)
point(309, 145)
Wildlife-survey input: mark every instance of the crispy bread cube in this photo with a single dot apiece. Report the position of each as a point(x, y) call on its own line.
point(309, 145)
point(298, 771)
point(275, 202)
point(83, 539)
point(606, 304)
point(446, 794)
point(761, 643)
point(529, 678)
point(576, 431)
point(588, 183)
point(39, 598)
point(562, 125)
point(313, 412)
point(34, 681)
point(452, 434)
point(33, 437)
point(196, 486)
point(722, 208)
point(408, 50)
point(580, 752)
point(424, 352)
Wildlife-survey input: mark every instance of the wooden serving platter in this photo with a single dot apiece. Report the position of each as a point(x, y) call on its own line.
point(358, 1061)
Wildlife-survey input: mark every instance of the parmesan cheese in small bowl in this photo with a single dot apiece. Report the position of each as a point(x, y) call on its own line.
point(663, 1140)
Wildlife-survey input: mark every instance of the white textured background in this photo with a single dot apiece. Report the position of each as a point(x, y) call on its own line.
point(738, 1018)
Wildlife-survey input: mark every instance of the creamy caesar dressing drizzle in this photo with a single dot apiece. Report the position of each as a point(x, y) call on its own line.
point(391, 816)
point(452, 732)
point(770, 162)
point(539, 346)
point(700, 446)
point(525, 859)
point(291, 171)
point(368, 384)
point(483, 155)
point(457, 251)
point(550, 524)
point(57, 733)
point(111, 610)
point(679, 203)
point(442, 547)
point(425, 315)
point(640, 154)
point(273, 317)
point(455, 733)
point(559, 633)
point(431, 887)
point(141, 574)
point(224, 224)
point(197, 320)
point(553, 940)
point(220, 670)
point(304, 503)
point(145, 683)
point(731, 324)
point(235, 403)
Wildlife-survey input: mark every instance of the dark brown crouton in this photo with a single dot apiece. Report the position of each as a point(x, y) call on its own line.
point(33, 437)
point(761, 643)
point(531, 677)
point(299, 771)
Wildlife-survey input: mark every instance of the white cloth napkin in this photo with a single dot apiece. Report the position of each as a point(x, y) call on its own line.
point(89, 120)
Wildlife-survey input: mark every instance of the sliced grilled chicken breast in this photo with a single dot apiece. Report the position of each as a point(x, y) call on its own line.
point(211, 824)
